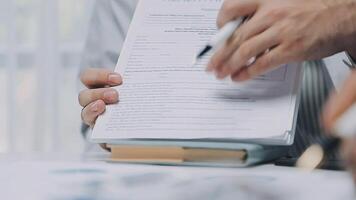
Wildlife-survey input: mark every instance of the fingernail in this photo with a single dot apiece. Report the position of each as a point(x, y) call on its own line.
point(222, 76)
point(110, 95)
point(95, 107)
point(114, 78)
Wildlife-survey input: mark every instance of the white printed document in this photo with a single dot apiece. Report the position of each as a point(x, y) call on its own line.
point(165, 97)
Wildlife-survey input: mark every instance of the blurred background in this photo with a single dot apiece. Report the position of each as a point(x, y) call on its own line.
point(40, 49)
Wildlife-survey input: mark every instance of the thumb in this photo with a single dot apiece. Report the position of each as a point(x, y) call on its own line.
point(340, 102)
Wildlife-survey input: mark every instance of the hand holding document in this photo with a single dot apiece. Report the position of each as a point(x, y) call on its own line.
point(163, 97)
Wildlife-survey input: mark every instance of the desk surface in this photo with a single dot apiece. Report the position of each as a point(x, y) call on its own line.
point(90, 177)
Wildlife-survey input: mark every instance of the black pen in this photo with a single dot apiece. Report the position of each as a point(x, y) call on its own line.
point(222, 36)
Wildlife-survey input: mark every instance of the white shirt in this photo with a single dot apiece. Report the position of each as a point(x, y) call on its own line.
point(107, 32)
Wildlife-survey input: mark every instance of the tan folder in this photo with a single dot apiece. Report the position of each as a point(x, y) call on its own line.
point(169, 154)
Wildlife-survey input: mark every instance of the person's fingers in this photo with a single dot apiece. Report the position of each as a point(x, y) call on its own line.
point(264, 63)
point(223, 72)
point(232, 9)
point(95, 78)
point(222, 54)
point(91, 112)
point(249, 29)
point(255, 25)
point(348, 152)
point(340, 102)
point(251, 49)
point(347, 147)
point(108, 95)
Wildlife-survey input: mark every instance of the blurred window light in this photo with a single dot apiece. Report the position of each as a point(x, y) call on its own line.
point(71, 27)
point(3, 28)
point(40, 48)
point(2, 33)
point(26, 19)
point(3, 103)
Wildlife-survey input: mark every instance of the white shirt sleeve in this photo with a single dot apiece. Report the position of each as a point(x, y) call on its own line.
point(107, 32)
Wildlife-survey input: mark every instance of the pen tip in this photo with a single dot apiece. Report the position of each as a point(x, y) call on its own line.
point(195, 61)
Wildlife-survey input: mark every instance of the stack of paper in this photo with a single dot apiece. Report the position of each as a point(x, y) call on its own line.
point(165, 97)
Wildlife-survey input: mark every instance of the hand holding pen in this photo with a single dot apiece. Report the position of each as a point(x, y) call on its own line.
point(280, 32)
point(339, 118)
point(272, 36)
point(224, 34)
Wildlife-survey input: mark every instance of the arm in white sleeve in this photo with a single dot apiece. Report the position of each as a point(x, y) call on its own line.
point(108, 26)
point(107, 31)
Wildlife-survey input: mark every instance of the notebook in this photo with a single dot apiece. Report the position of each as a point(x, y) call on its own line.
point(167, 102)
